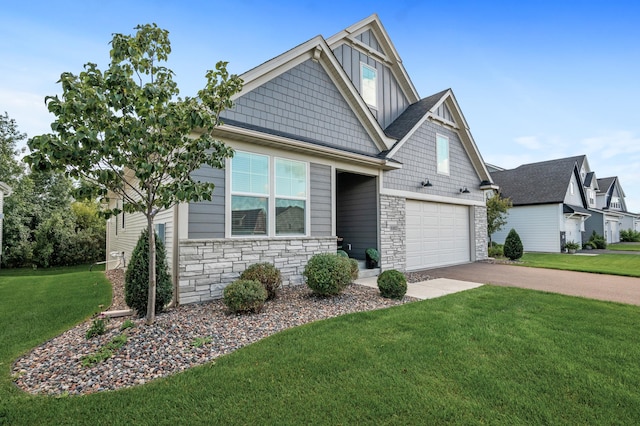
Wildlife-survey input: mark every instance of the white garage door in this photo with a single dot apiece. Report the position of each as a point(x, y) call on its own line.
point(437, 235)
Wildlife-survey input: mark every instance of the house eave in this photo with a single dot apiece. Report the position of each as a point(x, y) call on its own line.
point(227, 131)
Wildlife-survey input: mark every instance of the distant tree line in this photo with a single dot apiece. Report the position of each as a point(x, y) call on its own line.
point(43, 225)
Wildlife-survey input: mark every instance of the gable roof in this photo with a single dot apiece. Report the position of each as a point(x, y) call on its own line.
point(416, 114)
point(411, 116)
point(389, 54)
point(539, 183)
point(317, 50)
point(605, 183)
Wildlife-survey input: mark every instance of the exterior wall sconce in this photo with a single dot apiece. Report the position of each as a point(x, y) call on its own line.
point(426, 183)
point(464, 190)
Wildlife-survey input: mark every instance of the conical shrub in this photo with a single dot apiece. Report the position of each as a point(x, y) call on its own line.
point(136, 285)
point(513, 245)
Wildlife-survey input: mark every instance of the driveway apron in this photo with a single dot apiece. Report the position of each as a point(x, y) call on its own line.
point(595, 286)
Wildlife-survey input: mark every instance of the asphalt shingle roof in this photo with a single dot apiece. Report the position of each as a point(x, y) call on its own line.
point(537, 183)
point(412, 115)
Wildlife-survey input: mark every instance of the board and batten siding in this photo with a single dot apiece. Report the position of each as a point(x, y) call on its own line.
point(206, 218)
point(391, 100)
point(303, 103)
point(538, 226)
point(357, 213)
point(574, 199)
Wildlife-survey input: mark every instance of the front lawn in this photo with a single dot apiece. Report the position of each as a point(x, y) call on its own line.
point(614, 264)
point(491, 355)
point(624, 246)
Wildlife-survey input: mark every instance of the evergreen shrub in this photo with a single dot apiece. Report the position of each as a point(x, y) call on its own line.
point(328, 274)
point(513, 249)
point(392, 284)
point(245, 296)
point(267, 275)
point(136, 284)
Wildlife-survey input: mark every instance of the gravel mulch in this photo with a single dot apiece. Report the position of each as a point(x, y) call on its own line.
point(182, 337)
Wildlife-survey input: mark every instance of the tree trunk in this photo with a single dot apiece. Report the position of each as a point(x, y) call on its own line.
point(151, 297)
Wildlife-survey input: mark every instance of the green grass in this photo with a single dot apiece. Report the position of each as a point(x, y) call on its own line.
point(491, 355)
point(614, 264)
point(625, 247)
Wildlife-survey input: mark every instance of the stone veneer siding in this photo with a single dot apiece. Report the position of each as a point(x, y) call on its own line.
point(393, 253)
point(482, 238)
point(208, 266)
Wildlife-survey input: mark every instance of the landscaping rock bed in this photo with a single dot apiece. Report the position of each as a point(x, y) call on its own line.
point(181, 338)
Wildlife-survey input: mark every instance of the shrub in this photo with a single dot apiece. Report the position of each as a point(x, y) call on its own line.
point(267, 275)
point(136, 285)
point(572, 245)
point(355, 269)
point(327, 274)
point(342, 253)
point(598, 241)
point(392, 284)
point(373, 254)
point(496, 250)
point(513, 245)
point(245, 296)
point(630, 236)
point(97, 328)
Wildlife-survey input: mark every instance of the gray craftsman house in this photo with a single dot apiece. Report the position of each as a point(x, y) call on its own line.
point(333, 148)
point(610, 215)
point(559, 201)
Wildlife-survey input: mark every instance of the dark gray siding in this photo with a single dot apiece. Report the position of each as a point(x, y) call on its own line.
point(594, 223)
point(370, 40)
point(391, 100)
point(418, 158)
point(206, 218)
point(357, 213)
point(303, 102)
point(320, 200)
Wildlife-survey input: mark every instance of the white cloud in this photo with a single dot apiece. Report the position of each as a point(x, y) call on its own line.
point(529, 142)
point(613, 144)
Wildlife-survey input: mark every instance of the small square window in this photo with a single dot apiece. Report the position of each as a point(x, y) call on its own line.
point(442, 148)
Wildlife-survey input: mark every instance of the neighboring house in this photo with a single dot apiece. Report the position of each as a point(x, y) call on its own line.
point(331, 141)
point(610, 215)
point(550, 204)
point(5, 190)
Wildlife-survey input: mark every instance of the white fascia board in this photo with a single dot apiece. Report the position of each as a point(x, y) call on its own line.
point(256, 137)
point(318, 50)
point(390, 54)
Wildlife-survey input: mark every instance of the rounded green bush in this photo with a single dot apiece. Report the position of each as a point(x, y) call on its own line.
point(513, 245)
point(245, 296)
point(136, 284)
point(355, 269)
point(392, 284)
point(328, 274)
point(267, 275)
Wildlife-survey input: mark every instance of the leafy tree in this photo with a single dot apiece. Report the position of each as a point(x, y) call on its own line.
point(513, 245)
point(128, 119)
point(497, 209)
point(10, 168)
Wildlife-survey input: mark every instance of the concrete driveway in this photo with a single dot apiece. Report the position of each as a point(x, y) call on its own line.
point(595, 286)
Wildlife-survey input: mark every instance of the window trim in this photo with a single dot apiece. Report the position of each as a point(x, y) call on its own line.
point(445, 138)
point(271, 198)
point(375, 84)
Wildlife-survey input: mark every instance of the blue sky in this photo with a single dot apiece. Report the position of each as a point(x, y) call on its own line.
point(536, 80)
